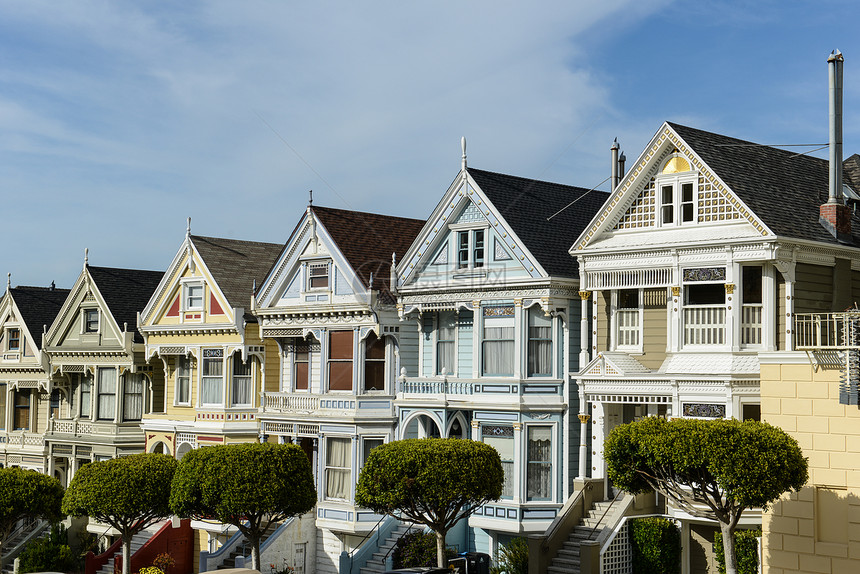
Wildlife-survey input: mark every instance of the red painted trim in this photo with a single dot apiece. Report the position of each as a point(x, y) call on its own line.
point(211, 438)
point(214, 307)
point(174, 309)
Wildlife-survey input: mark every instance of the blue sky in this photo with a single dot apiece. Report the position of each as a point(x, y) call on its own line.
point(118, 120)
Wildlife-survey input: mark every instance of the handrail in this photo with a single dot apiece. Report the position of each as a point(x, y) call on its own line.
point(559, 519)
point(206, 557)
point(602, 516)
point(361, 553)
point(366, 536)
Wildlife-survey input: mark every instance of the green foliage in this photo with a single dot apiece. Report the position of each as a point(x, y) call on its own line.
point(124, 491)
point(656, 544)
point(751, 463)
point(26, 493)
point(231, 481)
point(51, 553)
point(416, 549)
point(432, 481)
point(513, 558)
point(746, 551)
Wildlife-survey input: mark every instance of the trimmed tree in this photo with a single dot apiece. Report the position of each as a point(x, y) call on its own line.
point(725, 465)
point(27, 494)
point(430, 481)
point(129, 493)
point(250, 486)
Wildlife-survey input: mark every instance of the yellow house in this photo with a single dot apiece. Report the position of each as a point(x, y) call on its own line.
point(214, 360)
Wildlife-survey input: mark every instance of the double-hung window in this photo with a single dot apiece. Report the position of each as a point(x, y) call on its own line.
point(132, 398)
point(471, 248)
point(91, 320)
point(340, 361)
point(539, 463)
point(374, 363)
point(627, 318)
point(22, 410)
point(14, 340)
point(106, 394)
point(183, 381)
point(705, 306)
point(318, 275)
point(501, 438)
point(676, 192)
point(301, 363)
point(241, 381)
point(540, 343)
point(86, 395)
point(445, 342)
point(212, 377)
point(752, 309)
point(497, 344)
point(338, 468)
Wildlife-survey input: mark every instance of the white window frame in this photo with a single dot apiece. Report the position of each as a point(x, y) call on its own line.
point(677, 182)
point(318, 264)
point(436, 340)
point(616, 328)
point(186, 295)
point(553, 462)
point(511, 323)
point(202, 370)
point(527, 338)
point(235, 359)
point(177, 381)
point(348, 468)
point(18, 348)
point(471, 230)
point(85, 313)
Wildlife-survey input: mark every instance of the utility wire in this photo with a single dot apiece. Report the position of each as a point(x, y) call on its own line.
point(578, 198)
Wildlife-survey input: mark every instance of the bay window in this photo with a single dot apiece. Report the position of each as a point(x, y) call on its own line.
point(22, 410)
point(183, 381)
point(497, 346)
point(213, 376)
point(338, 468)
point(445, 342)
point(106, 391)
point(241, 386)
point(501, 438)
point(301, 364)
point(374, 363)
point(539, 463)
point(132, 407)
point(539, 343)
point(340, 361)
point(86, 395)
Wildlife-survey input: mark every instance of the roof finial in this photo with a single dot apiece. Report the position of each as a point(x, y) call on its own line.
point(8, 281)
point(86, 256)
point(188, 228)
point(254, 287)
point(463, 145)
point(310, 197)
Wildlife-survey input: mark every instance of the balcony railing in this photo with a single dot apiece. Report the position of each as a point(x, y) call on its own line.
point(324, 405)
point(827, 330)
point(430, 387)
point(87, 428)
point(24, 439)
point(290, 402)
point(704, 325)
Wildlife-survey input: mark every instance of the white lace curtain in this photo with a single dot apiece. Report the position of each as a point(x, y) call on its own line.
point(498, 346)
point(132, 407)
point(445, 346)
point(241, 381)
point(107, 394)
point(539, 472)
point(338, 468)
point(540, 343)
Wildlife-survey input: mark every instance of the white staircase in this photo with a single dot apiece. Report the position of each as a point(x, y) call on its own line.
point(567, 559)
point(376, 563)
point(137, 541)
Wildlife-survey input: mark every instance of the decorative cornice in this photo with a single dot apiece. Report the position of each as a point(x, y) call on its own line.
point(501, 293)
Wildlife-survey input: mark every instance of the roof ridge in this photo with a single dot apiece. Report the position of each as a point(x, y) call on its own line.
point(357, 212)
point(521, 178)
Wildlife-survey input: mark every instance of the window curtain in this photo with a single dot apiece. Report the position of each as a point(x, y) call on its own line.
point(107, 394)
point(505, 447)
point(540, 343)
point(86, 400)
point(539, 472)
point(213, 372)
point(338, 468)
point(241, 381)
point(183, 380)
point(445, 345)
point(132, 406)
point(498, 346)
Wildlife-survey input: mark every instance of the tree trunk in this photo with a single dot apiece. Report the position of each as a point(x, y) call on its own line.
point(729, 548)
point(126, 554)
point(441, 559)
point(255, 551)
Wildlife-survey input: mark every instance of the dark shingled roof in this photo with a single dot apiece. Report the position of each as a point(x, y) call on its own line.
point(782, 188)
point(367, 240)
point(526, 204)
point(39, 307)
point(126, 292)
point(236, 265)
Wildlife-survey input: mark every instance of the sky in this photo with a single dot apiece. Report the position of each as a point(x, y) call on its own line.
point(119, 120)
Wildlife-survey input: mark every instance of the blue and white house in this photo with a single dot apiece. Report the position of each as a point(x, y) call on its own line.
point(490, 289)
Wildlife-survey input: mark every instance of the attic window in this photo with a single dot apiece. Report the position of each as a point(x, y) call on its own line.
point(193, 296)
point(318, 276)
point(14, 340)
point(91, 320)
point(676, 188)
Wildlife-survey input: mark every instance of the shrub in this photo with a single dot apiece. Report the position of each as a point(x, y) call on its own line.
point(512, 558)
point(656, 546)
point(746, 551)
point(416, 549)
point(51, 553)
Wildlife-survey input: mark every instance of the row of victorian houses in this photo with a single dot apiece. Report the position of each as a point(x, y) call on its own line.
point(529, 315)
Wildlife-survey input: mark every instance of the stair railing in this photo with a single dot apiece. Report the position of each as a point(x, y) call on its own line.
point(211, 560)
point(351, 562)
point(264, 545)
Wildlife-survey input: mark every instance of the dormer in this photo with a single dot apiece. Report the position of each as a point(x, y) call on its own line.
point(676, 192)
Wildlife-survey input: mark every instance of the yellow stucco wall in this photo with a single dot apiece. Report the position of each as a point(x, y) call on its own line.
point(817, 529)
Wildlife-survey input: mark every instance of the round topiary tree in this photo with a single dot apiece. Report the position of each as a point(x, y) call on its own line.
point(250, 486)
point(27, 493)
point(431, 481)
point(129, 493)
point(725, 465)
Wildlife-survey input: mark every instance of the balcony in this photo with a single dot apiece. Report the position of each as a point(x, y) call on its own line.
point(823, 331)
point(328, 405)
point(86, 428)
point(487, 392)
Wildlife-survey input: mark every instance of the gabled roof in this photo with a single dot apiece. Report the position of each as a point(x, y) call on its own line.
point(782, 188)
point(367, 240)
point(236, 265)
point(527, 204)
point(125, 291)
point(38, 307)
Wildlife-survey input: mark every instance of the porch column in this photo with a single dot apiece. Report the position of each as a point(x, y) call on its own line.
point(520, 463)
point(583, 442)
point(519, 328)
point(584, 334)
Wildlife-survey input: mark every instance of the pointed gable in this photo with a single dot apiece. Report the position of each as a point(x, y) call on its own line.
point(38, 307)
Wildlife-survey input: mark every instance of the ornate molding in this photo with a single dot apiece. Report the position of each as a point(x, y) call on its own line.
point(503, 293)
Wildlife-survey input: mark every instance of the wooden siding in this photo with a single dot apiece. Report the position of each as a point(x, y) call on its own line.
point(272, 367)
point(574, 340)
point(158, 388)
point(813, 291)
point(655, 330)
point(408, 349)
point(603, 298)
point(40, 406)
point(842, 289)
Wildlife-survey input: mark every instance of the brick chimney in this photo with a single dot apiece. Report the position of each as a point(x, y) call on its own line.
point(834, 215)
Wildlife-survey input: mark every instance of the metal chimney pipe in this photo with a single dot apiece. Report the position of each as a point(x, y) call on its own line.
point(622, 159)
point(834, 65)
point(614, 152)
